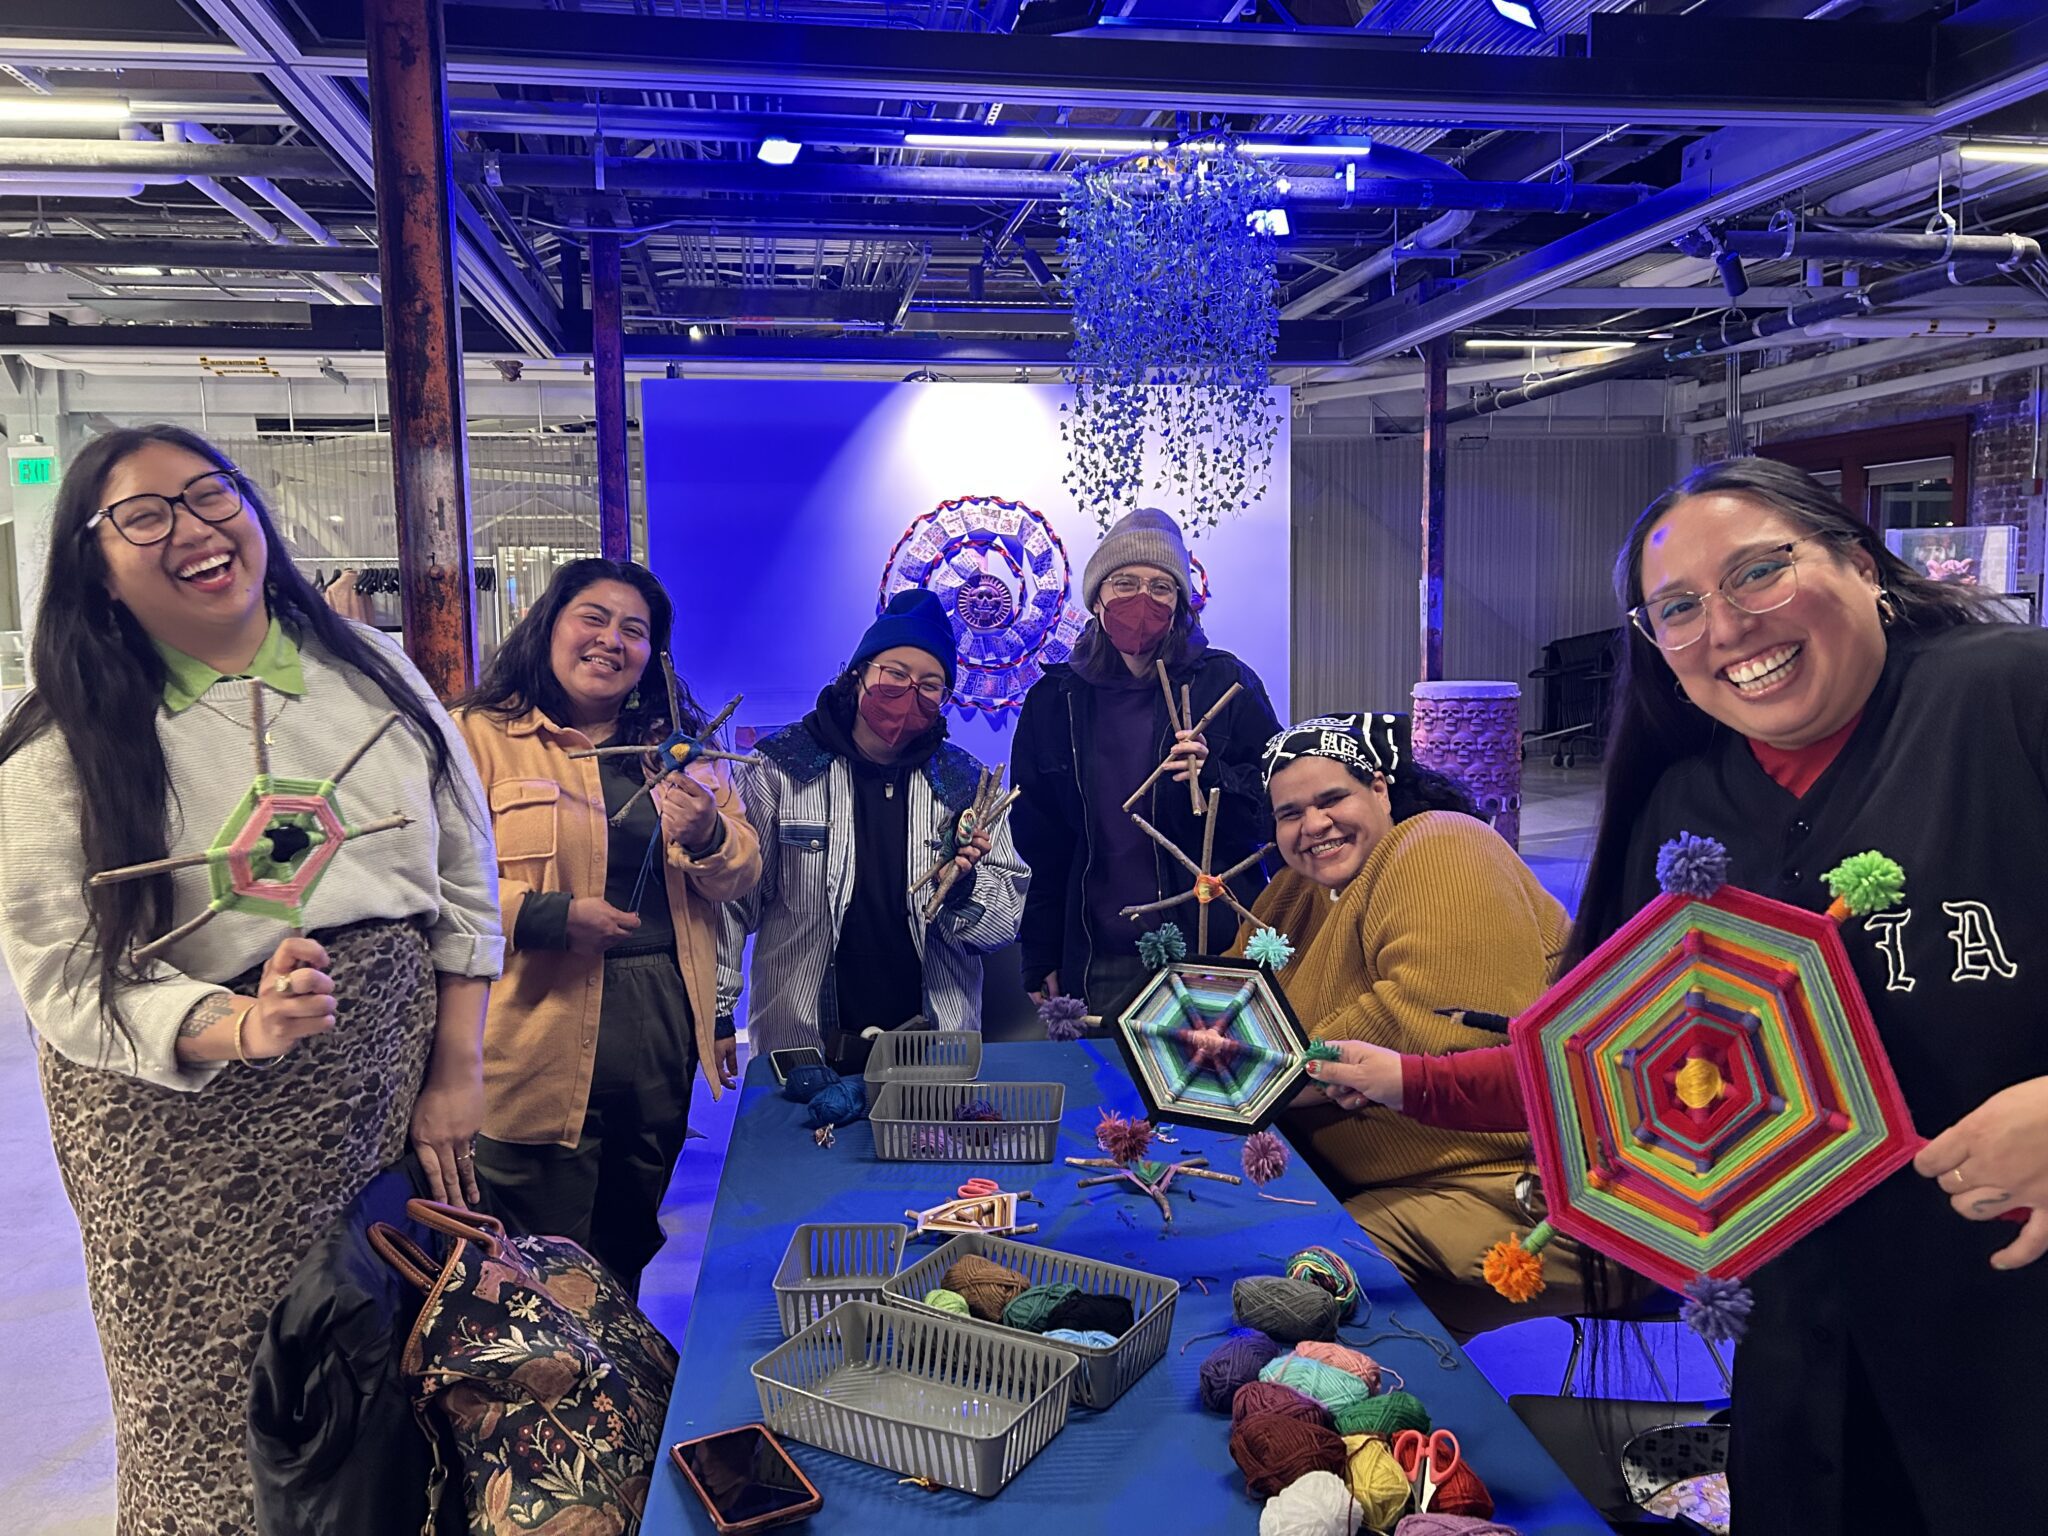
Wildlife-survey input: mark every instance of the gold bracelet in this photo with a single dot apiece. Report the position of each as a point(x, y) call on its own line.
point(240, 1054)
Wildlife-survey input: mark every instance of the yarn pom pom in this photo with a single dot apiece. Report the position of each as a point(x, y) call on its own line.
point(1124, 1141)
point(1692, 866)
point(977, 1110)
point(1315, 1504)
point(1717, 1309)
point(1324, 1050)
point(1265, 1157)
point(1162, 946)
point(1512, 1270)
point(1064, 1018)
point(1864, 883)
point(1269, 947)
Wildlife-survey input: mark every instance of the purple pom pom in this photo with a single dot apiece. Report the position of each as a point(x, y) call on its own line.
point(977, 1109)
point(1717, 1309)
point(1064, 1018)
point(1692, 866)
point(1265, 1157)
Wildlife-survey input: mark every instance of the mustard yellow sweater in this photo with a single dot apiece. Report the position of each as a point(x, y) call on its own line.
point(1443, 915)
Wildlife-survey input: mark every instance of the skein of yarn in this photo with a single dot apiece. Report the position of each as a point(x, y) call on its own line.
point(1317, 1504)
point(1434, 1524)
point(1033, 1310)
point(1284, 1309)
point(806, 1082)
point(1256, 1397)
point(1462, 1493)
point(1085, 1313)
point(1070, 1336)
point(1237, 1360)
point(1338, 1391)
point(948, 1301)
point(1388, 1414)
point(1375, 1480)
point(1272, 1451)
point(987, 1286)
point(837, 1103)
point(1351, 1361)
point(1328, 1270)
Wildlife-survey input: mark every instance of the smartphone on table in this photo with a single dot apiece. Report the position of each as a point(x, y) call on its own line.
point(796, 1056)
point(746, 1479)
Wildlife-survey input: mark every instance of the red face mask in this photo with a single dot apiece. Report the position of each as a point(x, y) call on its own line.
point(896, 713)
point(1135, 624)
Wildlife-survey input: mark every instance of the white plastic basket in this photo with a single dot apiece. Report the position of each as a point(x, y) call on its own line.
point(923, 1056)
point(913, 1122)
point(1106, 1372)
point(831, 1263)
point(921, 1396)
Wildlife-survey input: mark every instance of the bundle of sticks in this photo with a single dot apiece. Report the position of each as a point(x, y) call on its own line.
point(1182, 719)
point(990, 805)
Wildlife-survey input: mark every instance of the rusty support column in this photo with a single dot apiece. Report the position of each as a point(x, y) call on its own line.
point(608, 363)
point(1436, 368)
point(422, 337)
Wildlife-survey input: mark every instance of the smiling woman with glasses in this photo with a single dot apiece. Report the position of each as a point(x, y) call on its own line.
point(1758, 582)
point(216, 1109)
point(852, 804)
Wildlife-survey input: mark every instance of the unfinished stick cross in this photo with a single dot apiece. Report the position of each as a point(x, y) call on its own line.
point(1207, 887)
point(274, 846)
point(1174, 719)
point(680, 749)
point(1154, 1178)
point(990, 805)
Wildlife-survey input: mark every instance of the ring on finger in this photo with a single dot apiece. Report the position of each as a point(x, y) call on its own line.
point(283, 987)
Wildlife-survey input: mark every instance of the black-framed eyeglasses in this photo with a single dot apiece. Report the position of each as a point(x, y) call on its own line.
point(931, 687)
point(214, 497)
point(1760, 583)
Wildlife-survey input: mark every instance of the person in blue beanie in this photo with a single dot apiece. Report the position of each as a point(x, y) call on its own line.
point(853, 803)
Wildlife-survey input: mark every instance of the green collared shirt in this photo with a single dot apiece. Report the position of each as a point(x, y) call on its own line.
point(276, 662)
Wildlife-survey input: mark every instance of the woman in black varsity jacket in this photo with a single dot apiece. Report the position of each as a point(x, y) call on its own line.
point(1798, 692)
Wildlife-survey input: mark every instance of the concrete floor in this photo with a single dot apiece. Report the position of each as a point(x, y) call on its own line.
point(54, 1418)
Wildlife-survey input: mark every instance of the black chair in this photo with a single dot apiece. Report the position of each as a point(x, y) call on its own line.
point(1577, 676)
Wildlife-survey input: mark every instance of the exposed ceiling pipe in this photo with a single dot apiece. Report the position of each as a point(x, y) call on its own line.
point(1849, 245)
point(1409, 380)
point(141, 158)
point(1945, 326)
point(1433, 236)
point(1958, 373)
point(1846, 304)
point(263, 187)
point(203, 255)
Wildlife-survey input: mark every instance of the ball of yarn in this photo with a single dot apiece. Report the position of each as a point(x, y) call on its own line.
point(1375, 1479)
point(1462, 1493)
point(837, 1103)
point(1256, 1397)
point(1326, 1268)
point(948, 1301)
point(1284, 1309)
point(1272, 1450)
point(1387, 1414)
point(1317, 1504)
point(1072, 1336)
point(806, 1082)
point(987, 1285)
point(1364, 1367)
point(1237, 1360)
point(1085, 1313)
point(1435, 1524)
point(1336, 1390)
point(977, 1109)
point(1032, 1310)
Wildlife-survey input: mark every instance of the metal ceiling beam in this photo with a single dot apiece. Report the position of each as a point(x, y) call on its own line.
point(302, 162)
point(208, 255)
point(1638, 71)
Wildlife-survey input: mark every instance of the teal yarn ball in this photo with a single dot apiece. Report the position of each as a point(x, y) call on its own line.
point(1336, 1390)
point(1093, 1338)
point(1035, 1307)
point(1387, 1414)
point(948, 1301)
point(1327, 1270)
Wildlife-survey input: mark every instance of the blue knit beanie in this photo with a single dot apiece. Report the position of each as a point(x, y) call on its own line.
point(913, 617)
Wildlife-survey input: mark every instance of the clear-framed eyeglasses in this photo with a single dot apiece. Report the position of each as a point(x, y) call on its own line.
point(1158, 588)
point(891, 675)
point(1759, 583)
point(214, 497)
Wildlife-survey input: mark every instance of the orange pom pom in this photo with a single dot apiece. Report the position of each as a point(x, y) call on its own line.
point(1513, 1270)
point(1208, 888)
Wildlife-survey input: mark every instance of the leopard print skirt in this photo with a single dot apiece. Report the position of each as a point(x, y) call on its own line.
point(196, 1207)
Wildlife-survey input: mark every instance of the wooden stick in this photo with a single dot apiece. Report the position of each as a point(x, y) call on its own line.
point(1135, 913)
point(149, 952)
point(675, 697)
point(142, 871)
point(719, 719)
point(1151, 779)
point(951, 871)
point(256, 728)
point(1216, 709)
point(975, 808)
point(1208, 854)
point(1124, 1177)
point(1187, 712)
point(386, 824)
point(369, 741)
point(1167, 843)
point(1173, 720)
point(1187, 1171)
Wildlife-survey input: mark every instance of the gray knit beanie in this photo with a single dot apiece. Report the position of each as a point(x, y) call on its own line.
point(1144, 537)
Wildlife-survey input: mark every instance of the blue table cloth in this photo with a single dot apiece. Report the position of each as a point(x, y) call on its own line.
point(1155, 1462)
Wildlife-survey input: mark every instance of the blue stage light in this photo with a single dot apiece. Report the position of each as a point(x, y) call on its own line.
point(1269, 221)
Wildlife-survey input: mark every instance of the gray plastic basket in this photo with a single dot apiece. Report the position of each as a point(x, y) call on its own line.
point(831, 1263)
point(922, 1396)
point(913, 1122)
point(923, 1056)
point(1106, 1373)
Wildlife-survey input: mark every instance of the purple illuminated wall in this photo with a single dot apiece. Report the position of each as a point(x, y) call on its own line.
point(772, 508)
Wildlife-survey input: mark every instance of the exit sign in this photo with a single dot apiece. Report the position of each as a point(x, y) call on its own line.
point(42, 471)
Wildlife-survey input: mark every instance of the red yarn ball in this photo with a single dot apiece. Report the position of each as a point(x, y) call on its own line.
point(1273, 1450)
point(1463, 1494)
point(1256, 1397)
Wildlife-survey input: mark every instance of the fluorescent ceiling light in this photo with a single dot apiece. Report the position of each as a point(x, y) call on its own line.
point(59, 109)
point(1521, 12)
point(1153, 144)
point(778, 151)
point(137, 271)
point(1510, 344)
point(1269, 221)
point(2007, 154)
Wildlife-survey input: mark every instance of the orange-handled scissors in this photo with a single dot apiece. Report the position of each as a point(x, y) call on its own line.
point(1428, 1460)
point(975, 1189)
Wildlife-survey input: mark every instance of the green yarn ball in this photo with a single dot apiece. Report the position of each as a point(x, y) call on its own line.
point(1035, 1307)
point(948, 1301)
point(1338, 1391)
point(1866, 883)
point(1387, 1414)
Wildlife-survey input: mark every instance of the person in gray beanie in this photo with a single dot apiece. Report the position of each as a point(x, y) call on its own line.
point(1090, 732)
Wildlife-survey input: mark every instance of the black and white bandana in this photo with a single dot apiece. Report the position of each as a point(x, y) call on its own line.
point(1366, 744)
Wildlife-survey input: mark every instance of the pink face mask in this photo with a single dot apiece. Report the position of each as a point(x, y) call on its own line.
point(896, 713)
point(1136, 623)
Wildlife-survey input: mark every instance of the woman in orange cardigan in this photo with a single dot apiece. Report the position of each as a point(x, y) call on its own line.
point(608, 1004)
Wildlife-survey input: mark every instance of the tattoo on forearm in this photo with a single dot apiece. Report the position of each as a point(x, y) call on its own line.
point(205, 1014)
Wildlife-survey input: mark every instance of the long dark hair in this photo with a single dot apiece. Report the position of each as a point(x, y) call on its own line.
point(521, 676)
point(1652, 727)
point(99, 682)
